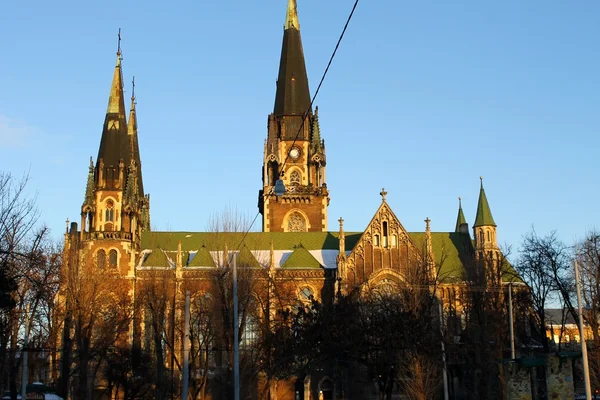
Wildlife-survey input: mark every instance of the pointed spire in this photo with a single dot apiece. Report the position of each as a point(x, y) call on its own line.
point(293, 96)
point(116, 100)
point(460, 219)
point(114, 145)
point(89, 188)
point(291, 18)
point(133, 140)
point(484, 214)
point(316, 144)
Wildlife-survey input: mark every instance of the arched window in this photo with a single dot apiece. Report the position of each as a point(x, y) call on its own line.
point(385, 233)
point(112, 258)
point(101, 259)
point(481, 237)
point(295, 178)
point(296, 222)
point(489, 236)
point(306, 294)
point(110, 211)
point(376, 240)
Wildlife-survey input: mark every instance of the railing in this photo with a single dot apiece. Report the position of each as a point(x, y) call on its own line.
point(302, 190)
point(107, 235)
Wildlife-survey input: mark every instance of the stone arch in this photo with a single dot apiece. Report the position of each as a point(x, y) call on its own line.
point(326, 388)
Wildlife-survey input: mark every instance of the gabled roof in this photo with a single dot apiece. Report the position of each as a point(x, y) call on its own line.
point(385, 211)
point(301, 258)
point(157, 258)
point(202, 258)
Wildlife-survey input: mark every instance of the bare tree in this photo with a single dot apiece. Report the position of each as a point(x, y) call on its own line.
point(419, 376)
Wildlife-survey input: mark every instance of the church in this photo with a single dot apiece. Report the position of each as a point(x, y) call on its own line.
point(299, 249)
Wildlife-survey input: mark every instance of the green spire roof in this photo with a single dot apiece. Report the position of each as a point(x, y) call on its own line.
point(484, 214)
point(460, 220)
point(301, 258)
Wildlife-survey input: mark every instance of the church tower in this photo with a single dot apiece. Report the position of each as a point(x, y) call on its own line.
point(115, 210)
point(294, 151)
point(484, 230)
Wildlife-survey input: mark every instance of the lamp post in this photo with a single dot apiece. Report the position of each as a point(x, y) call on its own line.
point(586, 368)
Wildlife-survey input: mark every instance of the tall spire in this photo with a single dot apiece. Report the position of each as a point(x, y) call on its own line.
point(293, 96)
point(484, 214)
point(460, 220)
point(133, 140)
point(114, 145)
point(291, 18)
point(116, 100)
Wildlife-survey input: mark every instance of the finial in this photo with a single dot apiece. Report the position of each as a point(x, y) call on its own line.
point(459, 202)
point(481, 180)
point(119, 43)
point(341, 221)
point(67, 223)
point(91, 163)
point(291, 19)
point(316, 111)
point(383, 193)
point(133, 89)
point(427, 221)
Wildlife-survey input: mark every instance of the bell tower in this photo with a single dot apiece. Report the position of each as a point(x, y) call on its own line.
point(294, 151)
point(115, 210)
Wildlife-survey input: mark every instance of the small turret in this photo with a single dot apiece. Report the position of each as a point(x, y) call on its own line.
point(484, 229)
point(461, 222)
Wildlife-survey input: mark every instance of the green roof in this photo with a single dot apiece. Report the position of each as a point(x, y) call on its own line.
point(484, 214)
point(460, 219)
point(192, 241)
point(301, 258)
point(156, 259)
point(202, 259)
point(247, 259)
point(449, 249)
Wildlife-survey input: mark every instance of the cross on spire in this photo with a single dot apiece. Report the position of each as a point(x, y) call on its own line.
point(119, 43)
point(383, 193)
point(133, 89)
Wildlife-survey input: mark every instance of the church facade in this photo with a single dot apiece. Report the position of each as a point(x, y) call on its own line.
point(296, 256)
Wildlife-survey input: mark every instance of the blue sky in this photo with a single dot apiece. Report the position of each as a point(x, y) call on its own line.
point(422, 98)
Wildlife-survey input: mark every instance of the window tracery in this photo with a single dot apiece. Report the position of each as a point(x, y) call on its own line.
point(295, 178)
point(296, 222)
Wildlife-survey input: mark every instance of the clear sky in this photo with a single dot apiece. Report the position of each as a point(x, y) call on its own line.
point(422, 98)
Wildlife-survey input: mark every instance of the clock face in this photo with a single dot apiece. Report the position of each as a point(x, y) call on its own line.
point(295, 153)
